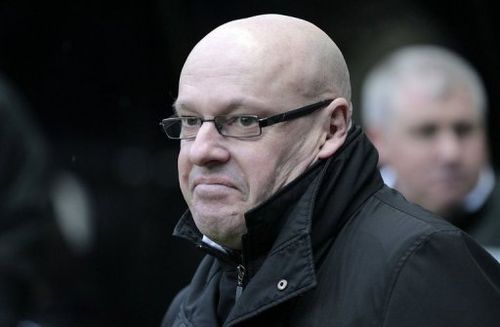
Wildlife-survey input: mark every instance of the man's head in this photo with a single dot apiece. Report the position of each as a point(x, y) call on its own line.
point(262, 65)
point(424, 108)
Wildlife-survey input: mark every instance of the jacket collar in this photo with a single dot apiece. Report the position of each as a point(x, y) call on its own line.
point(288, 233)
point(318, 202)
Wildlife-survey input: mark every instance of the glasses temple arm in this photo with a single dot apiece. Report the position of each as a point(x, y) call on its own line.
point(293, 114)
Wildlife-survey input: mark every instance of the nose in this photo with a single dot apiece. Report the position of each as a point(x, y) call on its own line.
point(208, 146)
point(449, 147)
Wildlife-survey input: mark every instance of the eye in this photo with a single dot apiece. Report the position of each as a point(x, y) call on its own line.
point(237, 121)
point(463, 129)
point(246, 121)
point(425, 131)
point(190, 121)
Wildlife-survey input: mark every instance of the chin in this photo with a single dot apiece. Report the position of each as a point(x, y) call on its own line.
point(447, 207)
point(220, 226)
point(227, 238)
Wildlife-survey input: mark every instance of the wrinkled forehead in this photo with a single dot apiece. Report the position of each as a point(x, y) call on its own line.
point(432, 88)
point(421, 105)
point(229, 76)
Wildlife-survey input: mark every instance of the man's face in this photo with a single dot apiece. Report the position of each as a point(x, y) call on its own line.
point(221, 177)
point(437, 148)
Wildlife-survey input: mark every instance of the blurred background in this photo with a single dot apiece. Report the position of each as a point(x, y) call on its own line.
point(87, 82)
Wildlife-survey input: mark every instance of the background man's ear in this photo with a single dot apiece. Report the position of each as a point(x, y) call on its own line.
point(376, 136)
point(340, 115)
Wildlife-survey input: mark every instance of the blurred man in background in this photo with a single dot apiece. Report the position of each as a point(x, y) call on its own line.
point(425, 109)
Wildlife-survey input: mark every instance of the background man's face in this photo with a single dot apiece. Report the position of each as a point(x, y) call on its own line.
point(437, 148)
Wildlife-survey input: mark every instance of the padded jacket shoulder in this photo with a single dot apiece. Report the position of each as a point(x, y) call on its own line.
point(395, 264)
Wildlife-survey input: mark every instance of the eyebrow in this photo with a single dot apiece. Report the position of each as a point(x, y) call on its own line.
point(175, 106)
point(228, 109)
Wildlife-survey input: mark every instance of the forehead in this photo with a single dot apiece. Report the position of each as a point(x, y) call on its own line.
point(234, 91)
point(416, 106)
point(214, 107)
point(218, 86)
point(251, 70)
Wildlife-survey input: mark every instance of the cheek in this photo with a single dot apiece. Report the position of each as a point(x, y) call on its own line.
point(184, 168)
point(283, 161)
point(262, 173)
point(412, 164)
point(410, 157)
point(475, 154)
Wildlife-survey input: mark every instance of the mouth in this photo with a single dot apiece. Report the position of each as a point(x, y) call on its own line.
point(208, 189)
point(449, 178)
point(213, 182)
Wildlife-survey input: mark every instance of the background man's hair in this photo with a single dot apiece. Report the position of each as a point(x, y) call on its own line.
point(417, 63)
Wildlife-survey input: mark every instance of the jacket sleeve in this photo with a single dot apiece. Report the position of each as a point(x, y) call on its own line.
point(447, 280)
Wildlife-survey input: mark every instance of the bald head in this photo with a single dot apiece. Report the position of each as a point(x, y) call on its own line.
point(285, 56)
point(260, 67)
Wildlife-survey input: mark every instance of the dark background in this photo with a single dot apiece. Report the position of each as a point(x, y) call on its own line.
point(99, 75)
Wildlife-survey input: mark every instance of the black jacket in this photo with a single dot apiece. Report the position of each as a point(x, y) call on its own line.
point(484, 224)
point(338, 248)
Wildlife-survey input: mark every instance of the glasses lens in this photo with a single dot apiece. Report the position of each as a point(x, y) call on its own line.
point(181, 127)
point(238, 126)
point(189, 127)
point(171, 127)
point(233, 126)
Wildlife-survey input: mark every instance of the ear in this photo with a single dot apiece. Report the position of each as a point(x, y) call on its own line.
point(377, 137)
point(336, 127)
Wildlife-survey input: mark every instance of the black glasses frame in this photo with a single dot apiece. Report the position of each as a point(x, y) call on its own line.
point(263, 122)
point(293, 114)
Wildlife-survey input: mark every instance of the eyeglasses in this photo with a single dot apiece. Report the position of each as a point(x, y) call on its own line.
point(238, 126)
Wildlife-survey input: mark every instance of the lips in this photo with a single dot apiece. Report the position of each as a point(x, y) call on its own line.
point(209, 189)
point(449, 177)
point(213, 181)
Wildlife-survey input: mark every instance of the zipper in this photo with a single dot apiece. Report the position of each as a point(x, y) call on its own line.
point(239, 281)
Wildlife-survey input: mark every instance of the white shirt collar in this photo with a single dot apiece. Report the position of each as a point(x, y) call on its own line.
point(213, 244)
point(473, 200)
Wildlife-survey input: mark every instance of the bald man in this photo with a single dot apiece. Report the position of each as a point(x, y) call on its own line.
point(285, 197)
